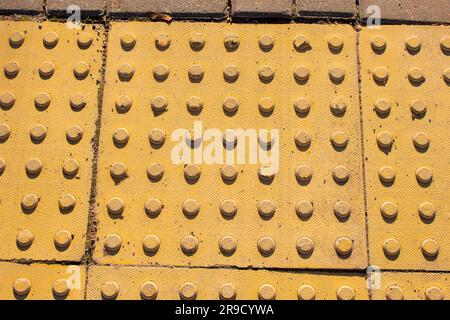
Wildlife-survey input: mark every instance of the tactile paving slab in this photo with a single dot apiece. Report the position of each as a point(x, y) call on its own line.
point(300, 80)
point(405, 97)
point(412, 286)
point(48, 109)
point(112, 282)
point(41, 281)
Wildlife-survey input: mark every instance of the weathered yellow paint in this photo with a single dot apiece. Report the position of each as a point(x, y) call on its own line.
point(413, 286)
point(150, 65)
point(45, 176)
point(408, 221)
point(167, 283)
point(41, 281)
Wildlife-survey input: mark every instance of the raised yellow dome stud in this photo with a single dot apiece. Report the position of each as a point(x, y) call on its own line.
point(196, 73)
point(305, 245)
point(189, 244)
point(266, 73)
point(162, 41)
point(116, 206)
point(11, 69)
point(33, 166)
point(81, 70)
point(301, 74)
point(385, 139)
point(126, 71)
point(416, 75)
point(62, 239)
point(16, 39)
point(159, 104)
point(340, 174)
point(378, 44)
point(42, 100)
point(7, 99)
point(78, 101)
point(228, 208)
point(123, 103)
point(418, 107)
point(306, 292)
point(190, 208)
point(227, 292)
point(413, 44)
point(192, 172)
point(391, 247)
point(304, 209)
point(337, 74)
point(394, 293)
point(424, 175)
point(266, 42)
point(38, 133)
point(47, 69)
point(343, 246)
point(386, 174)
point(389, 210)
point(21, 286)
point(149, 291)
point(342, 209)
point(339, 139)
point(382, 106)
point(301, 42)
point(113, 242)
point(421, 140)
point(430, 248)
point(266, 245)
point(30, 201)
point(227, 245)
point(267, 292)
point(61, 288)
point(24, 238)
point(231, 73)
point(121, 136)
point(230, 105)
point(266, 173)
point(160, 72)
point(5, 132)
point(194, 104)
point(84, 40)
point(427, 210)
point(335, 43)
point(229, 172)
point(266, 105)
point(74, 133)
point(445, 44)
point(155, 171)
point(67, 202)
point(2, 165)
point(446, 74)
point(266, 208)
point(157, 137)
point(50, 39)
point(188, 291)
point(303, 173)
point(197, 41)
point(128, 40)
point(345, 293)
point(118, 170)
point(302, 106)
point(151, 243)
point(109, 290)
point(338, 106)
point(302, 139)
point(434, 293)
point(153, 207)
point(380, 74)
point(70, 167)
point(231, 42)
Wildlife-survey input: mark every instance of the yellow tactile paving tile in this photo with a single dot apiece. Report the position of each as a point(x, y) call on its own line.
point(405, 100)
point(41, 281)
point(298, 79)
point(122, 282)
point(48, 109)
point(412, 286)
